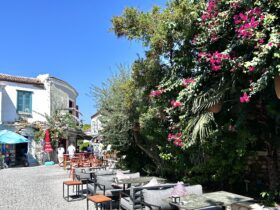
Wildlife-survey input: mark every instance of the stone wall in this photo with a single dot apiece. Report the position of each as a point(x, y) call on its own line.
point(260, 167)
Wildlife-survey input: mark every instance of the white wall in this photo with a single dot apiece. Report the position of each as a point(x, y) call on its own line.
point(54, 94)
point(61, 94)
point(40, 101)
point(96, 125)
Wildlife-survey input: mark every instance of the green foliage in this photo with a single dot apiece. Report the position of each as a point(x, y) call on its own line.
point(39, 135)
point(86, 127)
point(59, 123)
point(84, 146)
point(197, 56)
point(270, 198)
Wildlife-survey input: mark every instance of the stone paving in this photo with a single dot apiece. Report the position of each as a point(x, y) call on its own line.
point(35, 188)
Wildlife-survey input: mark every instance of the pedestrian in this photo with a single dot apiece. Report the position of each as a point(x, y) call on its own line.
point(71, 150)
point(60, 153)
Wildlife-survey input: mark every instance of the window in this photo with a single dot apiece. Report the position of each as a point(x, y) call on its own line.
point(71, 106)
point(24, 102)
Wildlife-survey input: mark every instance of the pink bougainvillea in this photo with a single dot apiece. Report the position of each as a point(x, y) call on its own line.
point(176, 138)
point(211, 10)
point(247, 22)
point(178, 142)
point(245, 98)
point(156, 93)
point(215, 59)
point(251, 68)
point(187, 82)
point(175, 104)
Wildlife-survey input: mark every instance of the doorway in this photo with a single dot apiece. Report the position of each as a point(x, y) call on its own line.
point(21, 151)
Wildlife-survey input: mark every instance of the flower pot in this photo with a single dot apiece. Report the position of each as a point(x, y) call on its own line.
point(215, 108)
point(277, 85)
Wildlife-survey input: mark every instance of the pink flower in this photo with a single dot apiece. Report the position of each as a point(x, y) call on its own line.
point(261, 41)
point(170, 136)
point(243, 17)
point(204, 17)
point(234, 5)
point(270, 44)
point(251, 68)
point(216, 68)
point(186, 82)
point(156, 93)
point(247, 22)
point(178, 142)
point(179, 135)
point(176, 104)
point(245, 98)
point(176, 139)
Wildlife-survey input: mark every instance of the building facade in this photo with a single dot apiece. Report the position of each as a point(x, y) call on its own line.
point(96, 125)
point(30, 100)
point(34, 98)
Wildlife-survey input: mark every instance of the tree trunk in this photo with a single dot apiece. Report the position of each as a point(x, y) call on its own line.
point(150, 154)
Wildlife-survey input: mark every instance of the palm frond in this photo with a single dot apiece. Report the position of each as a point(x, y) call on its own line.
point(201, 126)
point(207, 100)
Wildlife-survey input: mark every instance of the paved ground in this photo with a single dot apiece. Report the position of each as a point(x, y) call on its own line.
point(35, 188)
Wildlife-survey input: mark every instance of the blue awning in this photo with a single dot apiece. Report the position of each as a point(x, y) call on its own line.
point(9, 137)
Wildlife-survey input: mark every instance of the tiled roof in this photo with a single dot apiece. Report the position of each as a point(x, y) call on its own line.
point(25, 80)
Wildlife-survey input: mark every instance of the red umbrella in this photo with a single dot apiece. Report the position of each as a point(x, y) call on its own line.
point(48, 146)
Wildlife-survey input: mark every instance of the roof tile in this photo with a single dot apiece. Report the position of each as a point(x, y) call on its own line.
point(24, 80)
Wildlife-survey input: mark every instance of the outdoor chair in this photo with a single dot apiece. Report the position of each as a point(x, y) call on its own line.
point(85, 178)
point(103, 183)
point(96, 162)
point(103, 186)
point(74, 163)
point(84, 162)
point(132, 199)
point(155, 198)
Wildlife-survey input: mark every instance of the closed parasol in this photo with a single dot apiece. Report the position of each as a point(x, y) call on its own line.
point(48, 147)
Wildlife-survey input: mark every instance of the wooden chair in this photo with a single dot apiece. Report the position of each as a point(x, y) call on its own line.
point(74, 163)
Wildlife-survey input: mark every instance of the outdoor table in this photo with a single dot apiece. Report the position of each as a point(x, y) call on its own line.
point(73, 183)
point(219, 198)
point(226, 198)
point(193, 201)
point(99, 199)
point(139, 180)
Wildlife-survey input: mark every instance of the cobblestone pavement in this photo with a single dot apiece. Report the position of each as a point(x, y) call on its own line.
point(35, 188)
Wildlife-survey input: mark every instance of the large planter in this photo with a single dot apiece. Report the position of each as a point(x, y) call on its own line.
point(277, 85)
point(216, 108)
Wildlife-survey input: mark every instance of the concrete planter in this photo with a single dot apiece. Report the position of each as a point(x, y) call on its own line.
point(216, 108)
point(277, 85)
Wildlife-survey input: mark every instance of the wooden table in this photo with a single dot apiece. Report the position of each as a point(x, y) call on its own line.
point(74, 183)
point(99, 199)
point(220, 198)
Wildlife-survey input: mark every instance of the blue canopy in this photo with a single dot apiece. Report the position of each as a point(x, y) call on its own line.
point(9, 137)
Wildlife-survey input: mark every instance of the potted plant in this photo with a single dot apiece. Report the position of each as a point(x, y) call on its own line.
point(216, 108)
point(277, 85)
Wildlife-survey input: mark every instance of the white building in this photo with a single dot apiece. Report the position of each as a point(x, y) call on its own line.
point(29, 100)
point(96, 125)
point(33, 98)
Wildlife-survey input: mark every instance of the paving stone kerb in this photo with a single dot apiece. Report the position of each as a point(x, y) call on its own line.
point(35, 188)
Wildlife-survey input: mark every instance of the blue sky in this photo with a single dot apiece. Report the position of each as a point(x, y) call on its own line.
point(68, 39)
